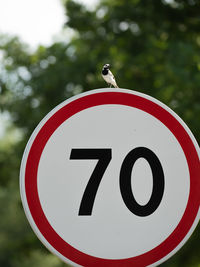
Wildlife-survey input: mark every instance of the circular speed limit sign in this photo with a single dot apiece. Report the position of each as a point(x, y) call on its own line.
point(111, 177)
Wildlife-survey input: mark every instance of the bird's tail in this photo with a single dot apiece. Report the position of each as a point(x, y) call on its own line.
point(115, 85)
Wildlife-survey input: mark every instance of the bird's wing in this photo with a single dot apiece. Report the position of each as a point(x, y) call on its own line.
point(113, 81)
point(110, 73)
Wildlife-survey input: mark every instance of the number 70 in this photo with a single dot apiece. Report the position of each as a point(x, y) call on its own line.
point(104, 156)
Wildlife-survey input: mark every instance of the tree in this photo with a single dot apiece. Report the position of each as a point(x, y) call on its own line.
point(153, 47)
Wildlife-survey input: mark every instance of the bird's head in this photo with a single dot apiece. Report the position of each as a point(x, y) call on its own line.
point(106, 66)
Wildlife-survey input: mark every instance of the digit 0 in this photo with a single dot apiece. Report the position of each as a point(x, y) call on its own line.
point(158, 181)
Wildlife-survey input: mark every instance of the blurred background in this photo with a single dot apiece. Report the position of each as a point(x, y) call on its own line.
point(51, 50)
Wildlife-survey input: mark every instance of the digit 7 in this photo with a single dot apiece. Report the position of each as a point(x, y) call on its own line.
point(103, 155)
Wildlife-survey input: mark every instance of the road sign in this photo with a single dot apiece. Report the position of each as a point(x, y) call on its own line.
point(111, 177)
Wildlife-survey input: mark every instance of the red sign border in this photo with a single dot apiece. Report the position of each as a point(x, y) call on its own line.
point(116, 98)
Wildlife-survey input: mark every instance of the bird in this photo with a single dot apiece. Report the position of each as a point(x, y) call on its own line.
point(108, 76)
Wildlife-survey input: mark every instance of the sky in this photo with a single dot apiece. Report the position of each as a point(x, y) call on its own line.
point(34, 21)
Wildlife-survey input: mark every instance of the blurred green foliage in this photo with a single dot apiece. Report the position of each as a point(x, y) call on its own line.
point(153, 47)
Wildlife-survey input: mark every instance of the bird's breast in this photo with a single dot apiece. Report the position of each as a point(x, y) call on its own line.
point(104, 72)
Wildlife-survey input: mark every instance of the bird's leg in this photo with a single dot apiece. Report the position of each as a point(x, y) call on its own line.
point(110, 85)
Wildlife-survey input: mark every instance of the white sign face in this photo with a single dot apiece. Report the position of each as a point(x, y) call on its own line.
point(109, 178)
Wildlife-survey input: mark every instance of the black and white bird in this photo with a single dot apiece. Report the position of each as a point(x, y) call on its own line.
point(108, 76)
